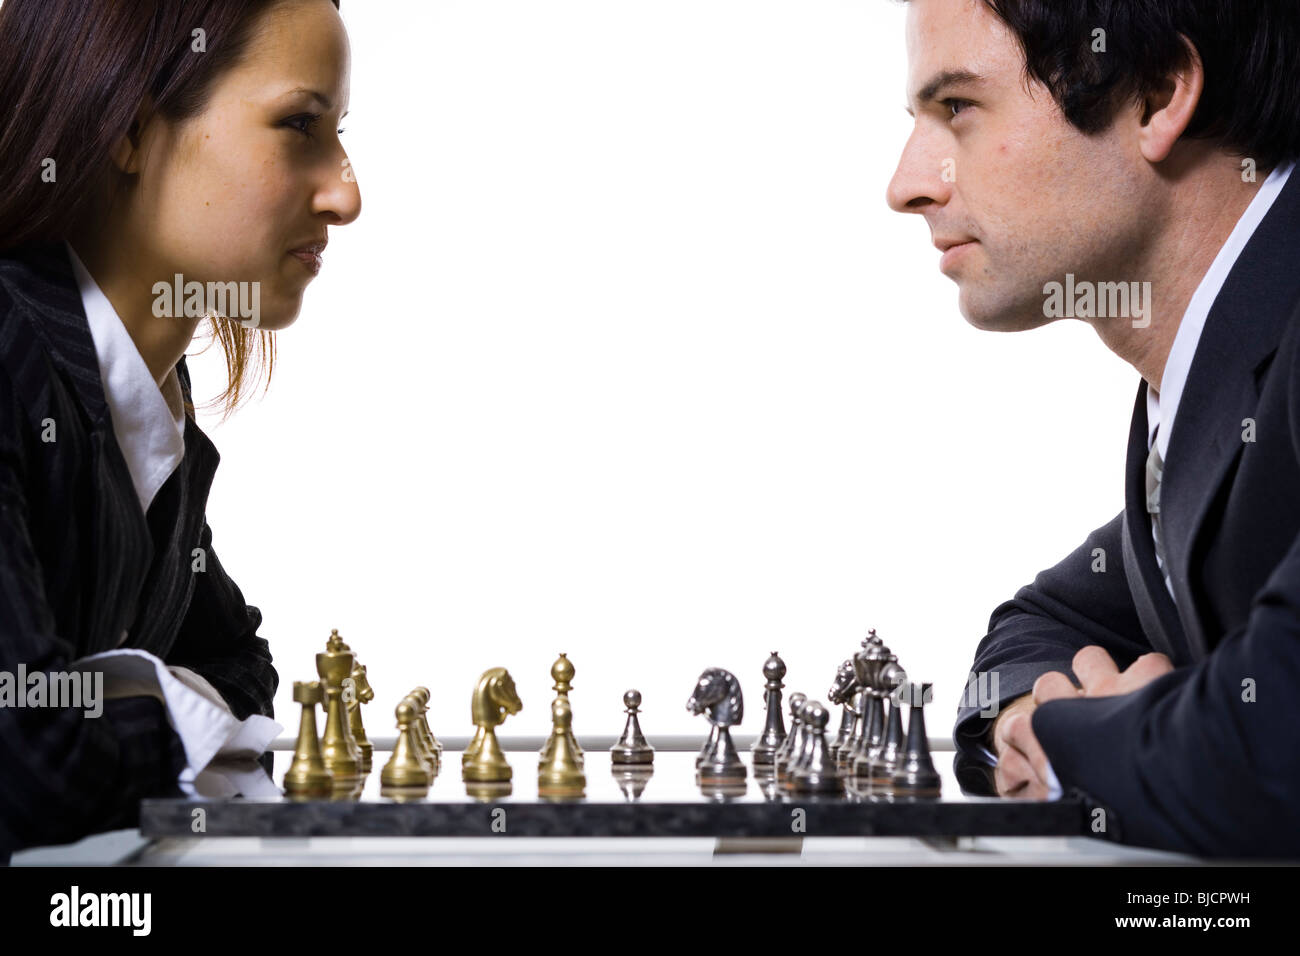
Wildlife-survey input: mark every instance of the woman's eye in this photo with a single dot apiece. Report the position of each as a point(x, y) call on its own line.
point(302, 123)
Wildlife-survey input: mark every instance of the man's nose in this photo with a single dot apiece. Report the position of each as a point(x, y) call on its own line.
point(922, 178)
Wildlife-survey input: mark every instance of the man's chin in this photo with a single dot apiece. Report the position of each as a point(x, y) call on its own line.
point(990, 317)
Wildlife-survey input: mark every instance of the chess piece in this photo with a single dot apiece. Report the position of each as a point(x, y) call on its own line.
point(817, 773)
point(718, 695)
point(433, 742)
point(872, 737)
point(856, 744)
point(362, 693)
point(632, 747)
point(493, 700)
point(428, 746)
point(562, 672)
point(406, 768)
point(308, 776)
point(868, 666)
point(799, 759)
point(558, 773)
point(886, 757)
point(769, 742)
point(841, 692)
point(915, 773)
point(793, 745)
point(338, 749)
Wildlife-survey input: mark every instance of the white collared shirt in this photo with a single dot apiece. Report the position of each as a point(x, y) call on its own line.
point(148, 421)
point(1162, 406)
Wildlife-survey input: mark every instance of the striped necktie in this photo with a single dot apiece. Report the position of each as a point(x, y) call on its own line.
point(1155, 472)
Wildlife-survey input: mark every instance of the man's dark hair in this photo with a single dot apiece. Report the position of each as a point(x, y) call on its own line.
point(1249, 50)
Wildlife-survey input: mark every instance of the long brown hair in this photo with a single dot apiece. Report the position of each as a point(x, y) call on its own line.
point(73, 74)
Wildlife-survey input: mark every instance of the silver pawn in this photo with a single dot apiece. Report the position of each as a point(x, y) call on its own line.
point(793, 745)
point(632, 747)
point(915, 773)
point(817, 775)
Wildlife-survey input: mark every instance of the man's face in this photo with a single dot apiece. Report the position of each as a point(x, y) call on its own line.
point(1020, 195)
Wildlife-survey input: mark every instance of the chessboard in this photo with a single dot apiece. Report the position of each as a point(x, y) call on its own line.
point(664, 799)
point(875, 776)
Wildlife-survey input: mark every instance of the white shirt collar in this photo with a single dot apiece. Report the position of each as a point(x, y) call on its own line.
point(149, 422)
point(1162, 406)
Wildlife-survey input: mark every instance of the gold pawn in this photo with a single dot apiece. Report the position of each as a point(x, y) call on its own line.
point(338, 749)
point(363, 693)
point(559, 773)
point(406, 768)
point(425, 697)
point(429, 758)
point(308, 776)
point(422, 733)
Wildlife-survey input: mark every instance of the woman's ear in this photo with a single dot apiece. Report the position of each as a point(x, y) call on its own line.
point(126, 151)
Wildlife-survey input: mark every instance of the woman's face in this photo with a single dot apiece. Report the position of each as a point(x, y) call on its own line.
point(229, 194)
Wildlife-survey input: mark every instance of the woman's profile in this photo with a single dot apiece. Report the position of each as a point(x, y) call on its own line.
point(168, 168)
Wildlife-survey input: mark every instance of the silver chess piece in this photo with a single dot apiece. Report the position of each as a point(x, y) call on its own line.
point(877, 670)
point(841, 693)
point(717, 695)
point(793, 746)
point(632, 747)
point(884, 761)
point(856, 744)
point(915, 773)
point(773, 736)
point(817, 773)
point(800, 759)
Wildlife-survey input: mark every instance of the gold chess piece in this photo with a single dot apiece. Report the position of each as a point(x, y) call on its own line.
point(429, 743)
point(559, 774)
point(362, 693)
point(425, 696)
point(308, 776)
point(419, 697)
point(406, 768)
point(562, 672)
point(338, 749)
point(494, 699)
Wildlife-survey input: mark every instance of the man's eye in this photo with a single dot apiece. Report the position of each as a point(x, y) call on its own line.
point(957, 106)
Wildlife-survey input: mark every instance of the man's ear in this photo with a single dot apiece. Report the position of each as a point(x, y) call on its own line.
point(126, 153)
point(1168, 111)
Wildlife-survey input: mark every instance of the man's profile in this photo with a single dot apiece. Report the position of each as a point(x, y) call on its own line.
point(1129, 164)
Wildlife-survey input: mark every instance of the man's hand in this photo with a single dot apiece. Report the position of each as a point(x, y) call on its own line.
point(1022, 764)
point(1100, 677)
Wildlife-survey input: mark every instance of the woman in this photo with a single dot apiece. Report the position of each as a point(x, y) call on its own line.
point(161, 162)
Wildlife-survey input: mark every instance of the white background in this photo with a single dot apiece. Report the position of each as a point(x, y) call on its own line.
point(627, 357)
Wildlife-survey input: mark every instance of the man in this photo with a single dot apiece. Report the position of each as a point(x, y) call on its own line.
point(1129, 163)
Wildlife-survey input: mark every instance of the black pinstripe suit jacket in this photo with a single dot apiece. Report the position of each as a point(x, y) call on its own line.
point(80, 563)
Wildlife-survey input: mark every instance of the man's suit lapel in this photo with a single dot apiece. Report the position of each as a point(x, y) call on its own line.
point(1155, 608)
point(1241, 333)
